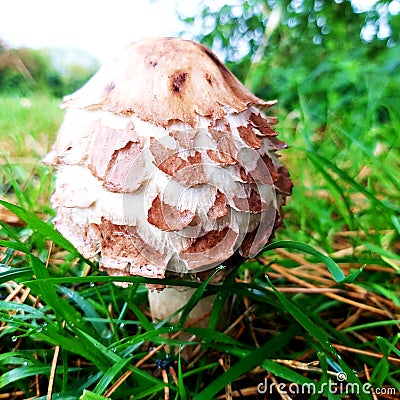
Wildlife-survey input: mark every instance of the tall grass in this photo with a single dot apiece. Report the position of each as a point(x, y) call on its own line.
point(68, 331)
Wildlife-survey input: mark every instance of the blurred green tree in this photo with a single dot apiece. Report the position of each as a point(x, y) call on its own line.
point(25, 71)
point(302, 48)
point(22, 70)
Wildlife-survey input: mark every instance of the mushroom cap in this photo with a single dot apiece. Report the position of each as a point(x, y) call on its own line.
point(166, 164)
point(164, 79)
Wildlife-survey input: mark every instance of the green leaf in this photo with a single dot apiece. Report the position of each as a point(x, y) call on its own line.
point(333, 268)
point(315, 331)
point(147, 325)
point(196, 297)
point(353, 275)
point(110, 374)
point(284, 372)
point(87, 395)
point(181, 385)
point(211, 336)
point(11, 274)
point(14, 245)
point(384, 207)
point(16, 374)
point(31, 312)
point(220, 302)
point(86, 307)
point(44, 229)
point(75, 344)
point(49, 294)
point(218, 307)
point(99, 347)
point(342, 201)
point(11, 358)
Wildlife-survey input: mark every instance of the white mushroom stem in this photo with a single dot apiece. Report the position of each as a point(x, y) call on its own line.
point(165, 302)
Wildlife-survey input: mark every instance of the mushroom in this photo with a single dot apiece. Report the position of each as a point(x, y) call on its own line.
point(166, 167)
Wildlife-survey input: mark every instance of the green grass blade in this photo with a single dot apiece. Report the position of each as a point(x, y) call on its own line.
point(304, 321)
point(87, 395)
point(196, 297)
point(86, 307)
point(74, 344)
point(49, 294)
point(284, 372)
point(220, 303)
point(217, 309)
point(99, 347)
point(181, 385)
point(147, 325)
point(111, 374)
point(256, 357)
point(385, 207)
point(44, 229)
point(149, 393)
point(370, 325)
point(9, 170)
point(19, 373)
point(333, 268)
point(341, 200)
point(387, 173)
point(389, 347)
point(37, 224)
point(25, 309)
point(11, 274)
point(15, 246)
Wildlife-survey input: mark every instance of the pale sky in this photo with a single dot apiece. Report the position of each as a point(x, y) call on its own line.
point(100, 28)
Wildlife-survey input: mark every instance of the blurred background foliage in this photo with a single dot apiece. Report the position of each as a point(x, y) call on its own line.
point(56, 72)
point(318, 48)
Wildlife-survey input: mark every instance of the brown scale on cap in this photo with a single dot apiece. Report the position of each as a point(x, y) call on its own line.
point(213, 248)
point(249, 137)
point(252, 202)
point(188, 171)
point(168, 218)
point(219, 208)
point(185, 139)
point(220, 157)
point(99, 160)
point(224, 142)
point(133, 252)
point(263, 124)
